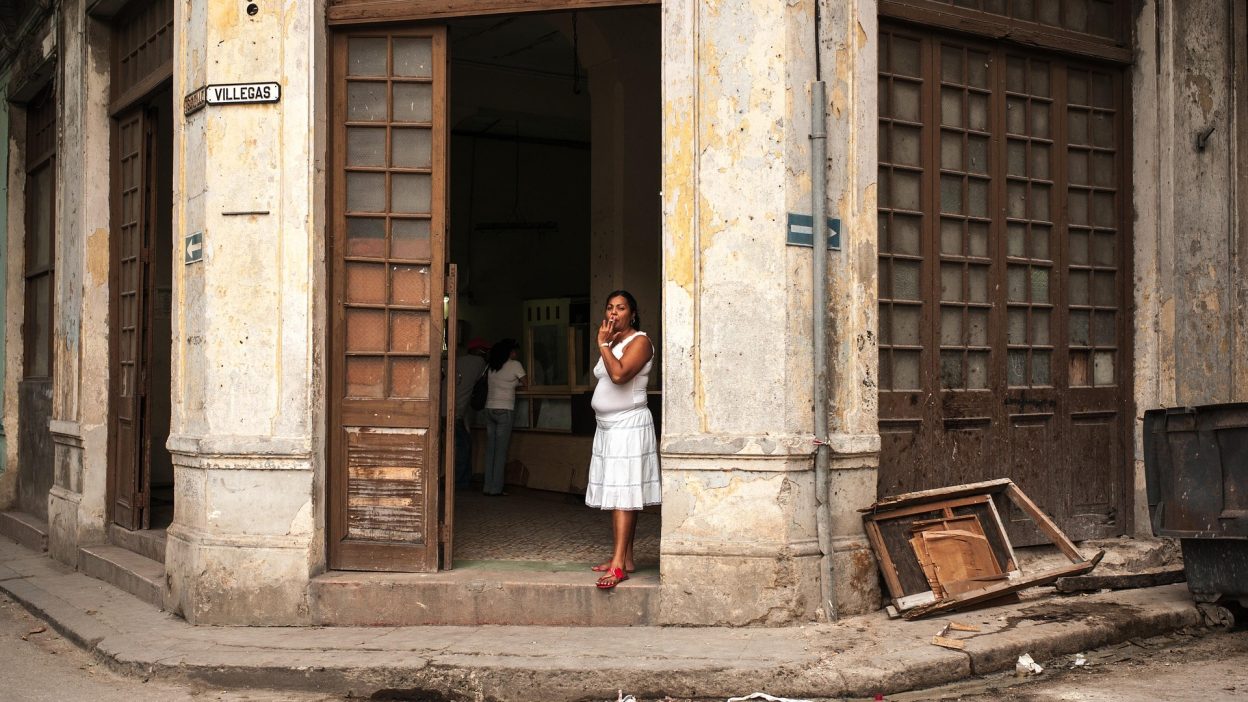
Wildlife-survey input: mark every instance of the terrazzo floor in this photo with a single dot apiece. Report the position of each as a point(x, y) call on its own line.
point(534, 525)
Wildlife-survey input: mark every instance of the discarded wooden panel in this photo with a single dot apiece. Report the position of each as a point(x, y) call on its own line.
point(976, 597)
point(959, 626)
point(954, 554)
point(947, 548)
point(905, 576)
point(1122, 581)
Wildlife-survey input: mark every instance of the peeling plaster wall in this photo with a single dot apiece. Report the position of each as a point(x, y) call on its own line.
point(5, 483)
point(247, 376)
point(739, 486)
point(1189, 287)
point(14, 307)
point(850, 71)
point(26, 74)
point(79, 425)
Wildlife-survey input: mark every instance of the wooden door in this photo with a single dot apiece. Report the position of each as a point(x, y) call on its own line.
point(387, 257)
point(34, 397)
point(134, 213)
point(1002, 326)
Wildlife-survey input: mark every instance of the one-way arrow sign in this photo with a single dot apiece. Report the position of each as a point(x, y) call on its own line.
point(194, 249)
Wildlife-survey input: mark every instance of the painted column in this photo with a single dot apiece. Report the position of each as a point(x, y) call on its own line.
point(246, 426)
point(739, 539)
point(739, 545)
point(79, 425)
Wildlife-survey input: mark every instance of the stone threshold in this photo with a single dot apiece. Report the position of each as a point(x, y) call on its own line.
point(485, 592)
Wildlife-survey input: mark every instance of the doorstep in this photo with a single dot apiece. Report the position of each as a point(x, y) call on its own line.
point(485, 592)
point(25, 529)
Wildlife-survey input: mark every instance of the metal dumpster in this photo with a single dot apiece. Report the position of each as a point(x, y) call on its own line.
point(1196, 467)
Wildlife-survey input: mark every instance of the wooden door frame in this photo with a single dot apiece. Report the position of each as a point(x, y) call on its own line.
point(363, 11)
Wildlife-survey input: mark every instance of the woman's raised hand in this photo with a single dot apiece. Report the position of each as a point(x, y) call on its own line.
point(606, 332)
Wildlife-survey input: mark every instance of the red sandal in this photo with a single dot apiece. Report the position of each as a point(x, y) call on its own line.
point(618, 573)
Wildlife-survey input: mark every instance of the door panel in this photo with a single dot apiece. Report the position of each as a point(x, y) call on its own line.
point(1000, 244)
point(388, 280)
point(132, 220)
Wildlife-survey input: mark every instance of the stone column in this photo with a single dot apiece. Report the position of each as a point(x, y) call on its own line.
point(739, 544)
point(247, 407)
point(79, 425)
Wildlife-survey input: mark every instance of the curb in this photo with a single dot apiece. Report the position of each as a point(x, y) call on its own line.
point(859, 657)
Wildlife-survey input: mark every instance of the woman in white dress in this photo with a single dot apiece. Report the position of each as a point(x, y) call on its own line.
point(624, 469)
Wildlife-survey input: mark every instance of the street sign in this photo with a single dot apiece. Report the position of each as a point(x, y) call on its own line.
point(243, 93)
point(801, 231)
point(231, 94)
point(193, 250)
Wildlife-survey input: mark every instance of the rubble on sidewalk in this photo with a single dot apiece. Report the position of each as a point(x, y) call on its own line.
point(947, 549)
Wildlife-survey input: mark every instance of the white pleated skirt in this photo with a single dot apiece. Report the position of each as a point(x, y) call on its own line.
point(624, 468)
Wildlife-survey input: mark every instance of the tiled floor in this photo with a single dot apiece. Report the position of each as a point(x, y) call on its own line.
point(533, 525)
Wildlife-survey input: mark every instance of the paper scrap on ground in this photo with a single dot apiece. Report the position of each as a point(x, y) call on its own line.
point(1027, 666)
point(765, 697)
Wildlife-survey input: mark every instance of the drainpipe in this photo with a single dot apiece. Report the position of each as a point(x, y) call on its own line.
point(819, 295)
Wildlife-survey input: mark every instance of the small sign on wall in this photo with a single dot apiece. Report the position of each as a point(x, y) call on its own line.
point(801, 231)
point(193, 249)
point(231, 94)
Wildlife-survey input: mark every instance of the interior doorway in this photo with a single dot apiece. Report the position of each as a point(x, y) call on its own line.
point(554, 188)
point(526, 151)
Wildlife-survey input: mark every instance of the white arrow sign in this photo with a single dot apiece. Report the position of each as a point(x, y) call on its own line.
point(194, 249)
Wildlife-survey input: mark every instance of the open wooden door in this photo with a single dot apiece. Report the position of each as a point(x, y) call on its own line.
point(388, 261)
point(133, 220)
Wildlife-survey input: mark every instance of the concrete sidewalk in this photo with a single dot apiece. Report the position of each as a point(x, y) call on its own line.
point(856, 657)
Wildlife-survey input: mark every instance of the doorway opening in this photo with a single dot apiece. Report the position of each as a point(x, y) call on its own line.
point(142, 260)
point(554, 179)
point(503, 171)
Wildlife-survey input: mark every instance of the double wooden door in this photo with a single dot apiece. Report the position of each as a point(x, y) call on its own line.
point(388, 281)
point(1002, 274)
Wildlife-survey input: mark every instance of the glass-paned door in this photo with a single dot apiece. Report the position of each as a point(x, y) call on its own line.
point(387, 284)
point(1000, 246)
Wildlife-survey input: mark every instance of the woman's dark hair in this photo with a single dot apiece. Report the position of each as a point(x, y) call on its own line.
point(500, 352)
point(632, 304)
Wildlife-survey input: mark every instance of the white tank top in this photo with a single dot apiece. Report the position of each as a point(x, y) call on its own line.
point(610, 398)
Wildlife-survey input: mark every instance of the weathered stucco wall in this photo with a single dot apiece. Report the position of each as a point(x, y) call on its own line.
point(1189, 280)
point(246, 381)
point(6, 481)
point(739, 511)
point(76, 503)
point(850, 69)
point(28, 73)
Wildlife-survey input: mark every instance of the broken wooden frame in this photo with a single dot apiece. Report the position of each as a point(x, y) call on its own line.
point(947, 549)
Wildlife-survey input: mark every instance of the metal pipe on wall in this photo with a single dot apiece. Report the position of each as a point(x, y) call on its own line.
point(819, 304)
